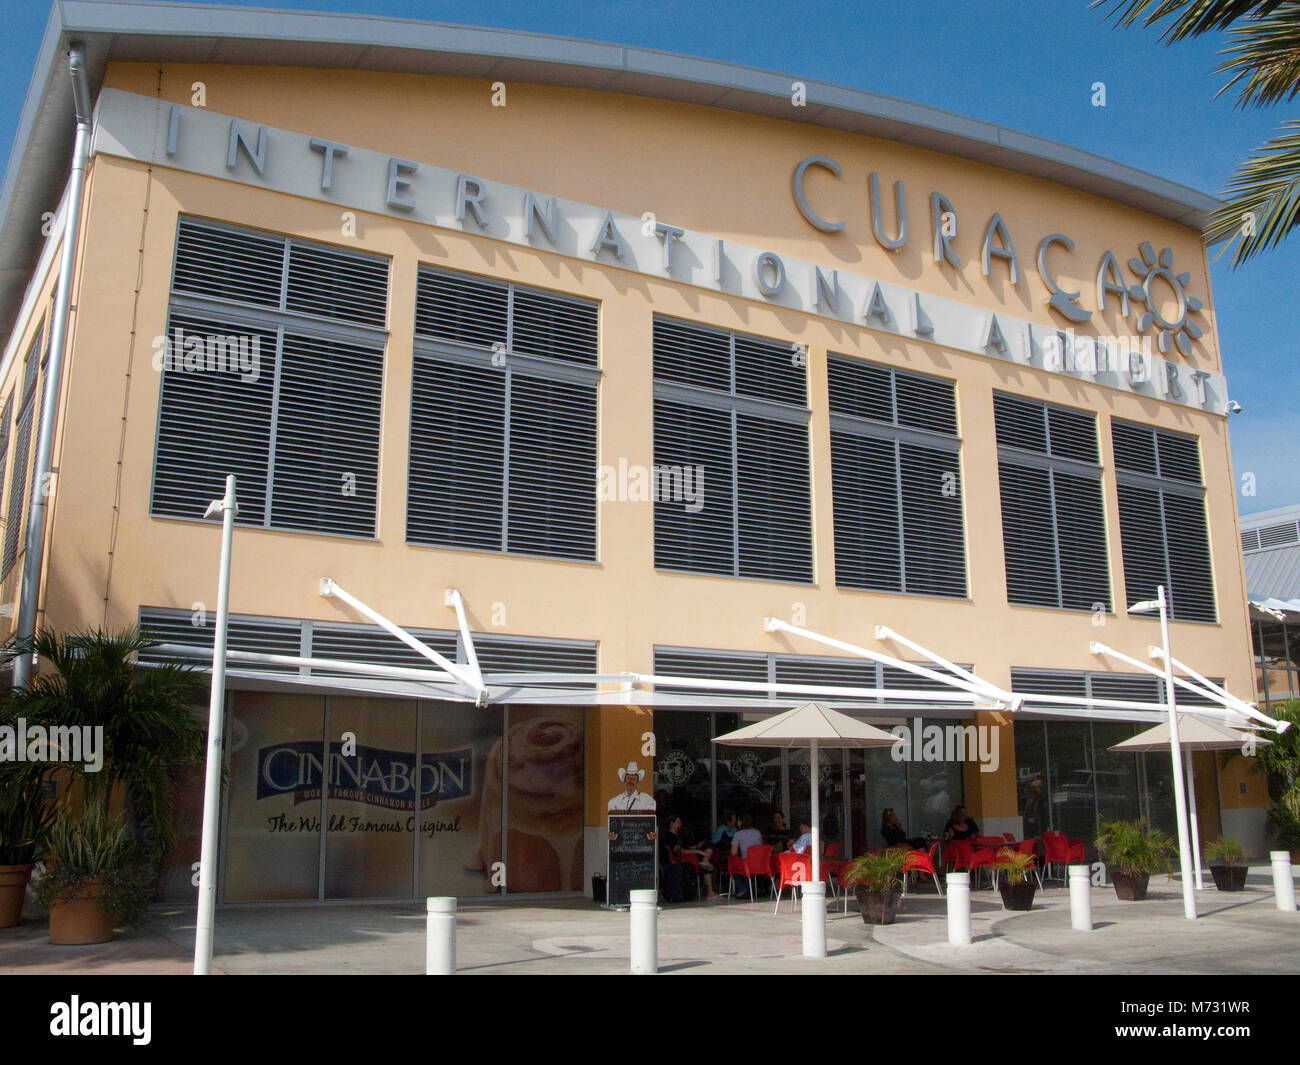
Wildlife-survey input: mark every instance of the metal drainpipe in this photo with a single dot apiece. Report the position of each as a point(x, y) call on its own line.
point(35, 545)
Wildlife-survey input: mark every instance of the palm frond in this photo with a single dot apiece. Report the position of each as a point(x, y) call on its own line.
point(1264, 192)
point(1265, 55)
point(1191, 17)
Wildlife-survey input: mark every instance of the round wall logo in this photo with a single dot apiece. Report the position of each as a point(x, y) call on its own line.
point(676, 767)
point(747, 767)
point(823, 768)
point(1176, 329)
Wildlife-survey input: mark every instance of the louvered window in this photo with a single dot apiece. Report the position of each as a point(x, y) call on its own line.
point(364, 644)
point(897, 481)
point(1053, 524)
point(1162, 520)
point(5, 425)
point(273, 371)
point(503, 418)
point(1118, 687)
point(23, 442)
point(730, 454)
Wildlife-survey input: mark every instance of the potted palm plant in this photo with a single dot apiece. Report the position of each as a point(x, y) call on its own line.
point(877, 880)
point(1230, 871)
point(149, 730)
point(1017, 885)
point(97, 879)
point(1132, 851)
point(25, 817)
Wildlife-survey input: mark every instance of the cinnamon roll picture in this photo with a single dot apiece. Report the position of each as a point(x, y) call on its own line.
point(542, 756)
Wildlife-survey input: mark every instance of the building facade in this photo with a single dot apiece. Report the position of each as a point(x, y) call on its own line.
point(629, 353)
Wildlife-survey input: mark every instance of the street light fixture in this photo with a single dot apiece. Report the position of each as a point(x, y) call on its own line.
point(1180, 795)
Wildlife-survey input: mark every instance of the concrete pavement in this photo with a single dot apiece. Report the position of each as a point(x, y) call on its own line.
point(1236, 933)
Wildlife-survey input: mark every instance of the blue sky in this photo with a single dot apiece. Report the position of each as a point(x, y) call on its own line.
point(1026, 64)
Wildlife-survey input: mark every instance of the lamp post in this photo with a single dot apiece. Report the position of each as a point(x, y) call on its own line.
point(227, 508)
point(1180, 795)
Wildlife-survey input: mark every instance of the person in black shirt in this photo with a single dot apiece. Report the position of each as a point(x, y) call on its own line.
point(671, 851)
point(893, 833)
point(961, 825)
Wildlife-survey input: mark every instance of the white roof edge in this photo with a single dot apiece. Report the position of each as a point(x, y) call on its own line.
point(111, 29)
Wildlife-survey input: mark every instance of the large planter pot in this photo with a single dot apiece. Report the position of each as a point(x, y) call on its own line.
point(13, 886)
point(1018, 896)
point(878, 908)
point(81, 919)
point(1129, 888)
point(1229, 877)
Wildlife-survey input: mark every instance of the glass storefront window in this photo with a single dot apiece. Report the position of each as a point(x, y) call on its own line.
point(933, 789)
point(683, 783)
point(1032, 801)
point(276, 765)
point(830, 799)
point(370, 811)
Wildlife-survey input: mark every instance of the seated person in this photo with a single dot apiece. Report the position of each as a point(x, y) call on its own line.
point(724, 834)
point(803, 845)
point(961, 825)
point(671, 851)
point(778, 835)
point(746, 836)
point(893, 833)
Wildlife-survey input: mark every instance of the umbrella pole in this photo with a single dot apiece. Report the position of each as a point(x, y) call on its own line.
point(1191, 813)
point(816, 818)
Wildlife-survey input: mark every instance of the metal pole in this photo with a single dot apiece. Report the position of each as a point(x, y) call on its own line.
point(1080, 898)
point(644, 908)
point(1175, 751)
point(216, 725)
point(440, 937)
point(816, 818)
point(959, 909)
point(33, 560)
point(1191, 816)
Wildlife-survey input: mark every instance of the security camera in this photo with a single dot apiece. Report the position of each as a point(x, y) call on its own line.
point(1234, 407)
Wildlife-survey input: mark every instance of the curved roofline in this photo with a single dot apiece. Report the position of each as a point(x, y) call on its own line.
point(134, 31)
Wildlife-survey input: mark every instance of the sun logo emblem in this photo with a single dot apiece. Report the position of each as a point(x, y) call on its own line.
point(1177, 330)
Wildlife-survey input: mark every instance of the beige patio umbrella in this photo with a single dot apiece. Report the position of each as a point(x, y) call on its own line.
point(811, 725)
point(1194, 734)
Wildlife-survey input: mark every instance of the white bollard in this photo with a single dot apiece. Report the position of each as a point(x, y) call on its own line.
point(814, 919)
point(644, 911)
point(959, 909)
point(1283, 885)
point(440, 937)
point(1080, 898)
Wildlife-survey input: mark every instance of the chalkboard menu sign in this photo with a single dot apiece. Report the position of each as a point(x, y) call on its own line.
point(633, 858)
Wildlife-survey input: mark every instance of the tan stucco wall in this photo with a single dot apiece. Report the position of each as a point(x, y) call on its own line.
point(712, 171)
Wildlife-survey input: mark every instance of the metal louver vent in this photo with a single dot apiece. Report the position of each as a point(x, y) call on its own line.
point(502, 654)
point(860, 389)
point(1273, 535)
point(552, 327)
point(1072, 434)
point(709, 665)
point(925, 403)
point(215, 262)
point(351, 643)
point(6, 420)
point(1250, 540)
point(1024, 681)
point(461, 308)
point(829, 672)
point(326, 283)
point(259, 635)
point(748, 452)
point(503, 454)
point(1162, 519)
point(17, 484)
point(1020, 423)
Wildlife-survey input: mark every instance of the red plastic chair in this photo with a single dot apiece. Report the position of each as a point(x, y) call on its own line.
point(1008, 837)
point(792, 869)
point(756, 862)
point(957, 855)
point(1057, 851)
point(981, 858)
point(833, 849)
point(920, 862)
point(1076, 852)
